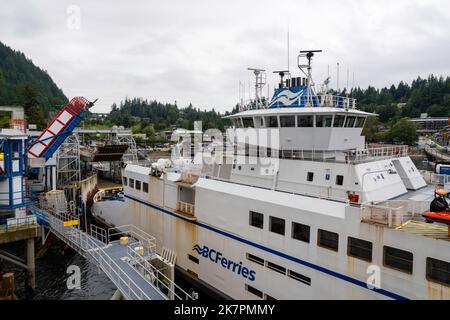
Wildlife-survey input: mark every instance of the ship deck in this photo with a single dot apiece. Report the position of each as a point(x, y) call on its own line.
point(421, 228)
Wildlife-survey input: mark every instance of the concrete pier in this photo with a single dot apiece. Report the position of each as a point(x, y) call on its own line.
point(27, 233)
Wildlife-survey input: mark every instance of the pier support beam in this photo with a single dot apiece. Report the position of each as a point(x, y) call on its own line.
point(31, 269)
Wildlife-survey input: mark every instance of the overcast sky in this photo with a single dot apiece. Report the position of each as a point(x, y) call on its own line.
point(198, 51)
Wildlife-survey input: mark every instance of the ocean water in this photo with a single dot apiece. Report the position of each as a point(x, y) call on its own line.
point(51, 275)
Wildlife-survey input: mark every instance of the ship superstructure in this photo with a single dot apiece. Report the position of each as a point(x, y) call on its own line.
point(299, 207)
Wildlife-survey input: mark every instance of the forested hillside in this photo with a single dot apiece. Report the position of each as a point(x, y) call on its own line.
point(23, 83)
point(431, 95)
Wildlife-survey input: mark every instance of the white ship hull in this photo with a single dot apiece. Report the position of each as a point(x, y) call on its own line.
point(221, 225)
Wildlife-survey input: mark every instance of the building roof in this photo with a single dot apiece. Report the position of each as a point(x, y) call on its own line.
point(12, 134)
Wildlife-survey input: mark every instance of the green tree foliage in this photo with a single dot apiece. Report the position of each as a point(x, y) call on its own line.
point(17, 72)
point(34, 114)
point(403, 132)
point(22, 83)
point(163, 116)
point(431, 95)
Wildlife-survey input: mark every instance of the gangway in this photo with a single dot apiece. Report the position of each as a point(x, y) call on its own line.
point(131, 270)
point(59, 129)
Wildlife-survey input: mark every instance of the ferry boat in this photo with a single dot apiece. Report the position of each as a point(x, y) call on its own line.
point(315, 214)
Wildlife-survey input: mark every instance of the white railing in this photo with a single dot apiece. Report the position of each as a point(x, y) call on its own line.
point(15, 223)
point(347, 156)
point(431, 177)
point(92, 246)
point(318, 100)
point(185, 207)
point(156, 277)
point(92, 250)
point(134, 232)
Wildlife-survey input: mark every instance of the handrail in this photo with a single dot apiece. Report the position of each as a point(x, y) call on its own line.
point(146, 265)
point(91, 249)
point(146, 239)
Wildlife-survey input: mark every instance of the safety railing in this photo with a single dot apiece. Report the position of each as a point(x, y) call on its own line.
point(435, 178)
point(159, 279)
point(145, 239)
point(338, 156)
point(93, 249)
point(7, 224)
point(187, 208)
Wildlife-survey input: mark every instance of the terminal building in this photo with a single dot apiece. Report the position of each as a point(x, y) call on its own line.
point(427, 124)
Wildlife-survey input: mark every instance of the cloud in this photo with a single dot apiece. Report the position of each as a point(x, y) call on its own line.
point(199, 51)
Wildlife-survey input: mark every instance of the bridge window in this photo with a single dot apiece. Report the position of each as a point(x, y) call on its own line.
point(287, 121)
point(339, 121)
point(328, 239)
point(358, 248)
point(398, 259)
point(310, 176)
point(256, 219)
point(350, 122)
point(360, 122)
point(438, 271)
point(299, 277)
point(255, 259)
point(339, 180)
point(324, 121)
point(305, 121)
point(145, 187)
point(276, 225)
point(272, 122)
point(138, 185)
point(276, 267)
point(238, 122)
point(300, 232)
point(131, 183)
point(125, 181)
point(247, 122)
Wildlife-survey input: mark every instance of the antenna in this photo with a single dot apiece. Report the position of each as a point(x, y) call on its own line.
point(337, 78)
point(288, 64)
point(282, 74)
point(309, 54)
point(346, 88)
point(353, 83)
point(260, 81)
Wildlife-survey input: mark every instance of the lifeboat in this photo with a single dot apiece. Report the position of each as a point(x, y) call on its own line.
point(437, 215)
point(441, 217)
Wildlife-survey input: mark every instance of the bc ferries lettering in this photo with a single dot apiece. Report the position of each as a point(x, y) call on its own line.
point(217, 257)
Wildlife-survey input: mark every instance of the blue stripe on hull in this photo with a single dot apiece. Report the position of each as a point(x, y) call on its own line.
point(277, 253)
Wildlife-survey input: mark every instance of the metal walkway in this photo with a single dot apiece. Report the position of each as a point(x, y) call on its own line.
point(130, 267)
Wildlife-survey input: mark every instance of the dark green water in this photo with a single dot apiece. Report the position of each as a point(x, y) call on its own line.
point(51, 275)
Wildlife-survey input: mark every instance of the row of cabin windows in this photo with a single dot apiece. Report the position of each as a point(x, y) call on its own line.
point(401, 260)
point(339, 178)
point(258, 293)
point(135, 184)
point(280, 269)
point(304, 121)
